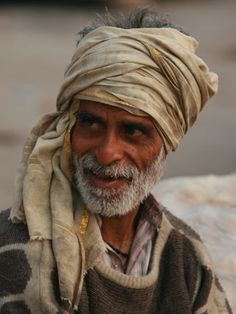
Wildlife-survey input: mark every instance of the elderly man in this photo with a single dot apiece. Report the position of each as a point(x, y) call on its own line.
point(85, 235)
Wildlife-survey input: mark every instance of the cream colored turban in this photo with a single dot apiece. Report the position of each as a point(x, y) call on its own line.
point(145, 71)
point(153, 70)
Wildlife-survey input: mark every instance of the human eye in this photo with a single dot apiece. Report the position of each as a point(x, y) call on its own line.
point(87, 120)
point(135, 130)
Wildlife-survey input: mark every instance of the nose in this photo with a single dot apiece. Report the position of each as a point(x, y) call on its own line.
point(109, 150)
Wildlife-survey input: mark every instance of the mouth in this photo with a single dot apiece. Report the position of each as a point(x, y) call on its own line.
point(103, 181)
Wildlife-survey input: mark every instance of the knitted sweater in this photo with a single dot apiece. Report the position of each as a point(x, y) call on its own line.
point(180, 280)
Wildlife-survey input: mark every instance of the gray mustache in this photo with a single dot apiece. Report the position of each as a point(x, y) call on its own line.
point(114, 171)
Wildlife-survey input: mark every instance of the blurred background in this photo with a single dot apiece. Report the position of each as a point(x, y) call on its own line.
point(37, 41)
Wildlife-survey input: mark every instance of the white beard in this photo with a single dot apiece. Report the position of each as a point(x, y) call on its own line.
point(116, 202)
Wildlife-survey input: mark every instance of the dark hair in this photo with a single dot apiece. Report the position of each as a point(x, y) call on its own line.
point(139, 18)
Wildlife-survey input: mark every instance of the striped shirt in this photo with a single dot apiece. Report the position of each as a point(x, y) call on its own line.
point(138, 260)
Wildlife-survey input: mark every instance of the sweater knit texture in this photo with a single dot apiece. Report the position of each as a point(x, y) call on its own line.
point(180, 279)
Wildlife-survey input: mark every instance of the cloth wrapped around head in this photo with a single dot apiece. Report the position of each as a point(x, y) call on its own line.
point(148, 70)
point(151, 72)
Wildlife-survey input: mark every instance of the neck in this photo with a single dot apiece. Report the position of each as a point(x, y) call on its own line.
point(119, 230)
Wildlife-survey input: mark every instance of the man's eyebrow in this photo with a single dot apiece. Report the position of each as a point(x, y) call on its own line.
point(88, 115)
point(138, 125)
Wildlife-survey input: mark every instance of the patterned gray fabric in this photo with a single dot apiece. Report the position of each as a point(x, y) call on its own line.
point(180, 280)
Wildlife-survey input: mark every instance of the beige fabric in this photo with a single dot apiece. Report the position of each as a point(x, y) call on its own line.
point(44, 198)
point(151, 71)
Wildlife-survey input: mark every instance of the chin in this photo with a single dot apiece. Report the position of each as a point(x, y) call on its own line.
point(108, 207)
point(107, 211)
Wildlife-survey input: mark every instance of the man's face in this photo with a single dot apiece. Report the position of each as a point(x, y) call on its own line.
point(115, 156)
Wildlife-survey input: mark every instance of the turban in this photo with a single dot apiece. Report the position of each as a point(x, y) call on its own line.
point(152, 72)
point(146, 71)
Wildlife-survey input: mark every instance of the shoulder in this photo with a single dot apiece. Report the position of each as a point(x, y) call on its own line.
point(190, 258)
point(182, 239)
point(180, 226)
point(15, 268)
point(11, 233)
point(177, 224)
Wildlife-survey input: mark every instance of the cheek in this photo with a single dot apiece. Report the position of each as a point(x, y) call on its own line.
point(77, 143)
point(141, 157)
point(149, 152)
point(79, 148)
point(82, 144)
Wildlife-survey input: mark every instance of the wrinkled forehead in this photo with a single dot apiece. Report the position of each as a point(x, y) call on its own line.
point(113, 111)
point(85, 100)
point(116, 109)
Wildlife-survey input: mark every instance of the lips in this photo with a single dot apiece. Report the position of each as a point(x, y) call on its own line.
point(103, 181)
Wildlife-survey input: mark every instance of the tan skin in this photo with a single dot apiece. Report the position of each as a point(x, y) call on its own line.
point(114, 135)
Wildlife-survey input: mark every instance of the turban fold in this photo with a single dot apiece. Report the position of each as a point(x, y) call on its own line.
point(148, 70)
point(145, 71)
